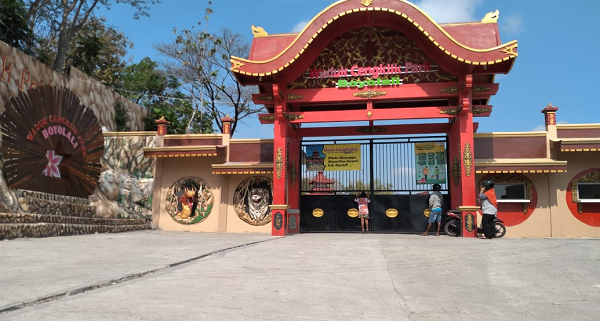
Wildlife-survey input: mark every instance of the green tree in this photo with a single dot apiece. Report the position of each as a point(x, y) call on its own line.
point(201, 62)
point(145, 84)
point(99, 51)
point(13, 24)
point(57, 22)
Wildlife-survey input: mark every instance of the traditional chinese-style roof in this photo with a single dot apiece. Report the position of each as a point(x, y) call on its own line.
point(459, 47)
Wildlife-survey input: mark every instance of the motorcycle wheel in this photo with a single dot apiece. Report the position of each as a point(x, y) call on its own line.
point(452, 228)
point(500, 230)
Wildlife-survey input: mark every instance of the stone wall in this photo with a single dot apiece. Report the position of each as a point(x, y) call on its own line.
point(19, 72)
point(122, 199)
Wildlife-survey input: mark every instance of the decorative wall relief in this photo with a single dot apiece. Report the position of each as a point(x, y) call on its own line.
point(470, 222)
point(252, 199)
point(126, 183)
point(384, 46)
point(468, 159)
point(278, 221)
point(189, 200)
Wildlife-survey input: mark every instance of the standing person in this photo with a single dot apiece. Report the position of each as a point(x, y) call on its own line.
point(363, 201)
point(436, 199)
point(426, 173)
point(489, 208)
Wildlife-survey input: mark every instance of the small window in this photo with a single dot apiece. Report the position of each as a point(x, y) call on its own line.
point(588, 191)
point(510, 191)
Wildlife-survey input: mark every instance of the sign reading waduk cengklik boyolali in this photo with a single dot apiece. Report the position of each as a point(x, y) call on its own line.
point(392, 74)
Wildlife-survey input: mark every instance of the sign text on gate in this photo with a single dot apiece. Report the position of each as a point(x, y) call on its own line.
point(342, 157)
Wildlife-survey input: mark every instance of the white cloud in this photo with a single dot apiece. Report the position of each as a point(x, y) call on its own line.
point(510, 24)
point(450, 11)
point(299, 26)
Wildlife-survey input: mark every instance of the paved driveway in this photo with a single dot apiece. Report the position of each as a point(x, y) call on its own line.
point(157, 275)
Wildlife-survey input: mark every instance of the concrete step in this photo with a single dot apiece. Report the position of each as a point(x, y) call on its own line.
point(37, 225)
point(15, 218)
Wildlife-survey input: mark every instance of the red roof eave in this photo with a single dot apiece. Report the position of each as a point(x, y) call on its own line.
point(502, 55)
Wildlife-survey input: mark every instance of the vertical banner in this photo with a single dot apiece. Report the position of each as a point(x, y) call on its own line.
point(337, 157)
point(430, 163)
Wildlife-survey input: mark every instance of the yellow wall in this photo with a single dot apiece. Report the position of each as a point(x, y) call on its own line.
point(222, 217)
point(552, 217)
point(564, 224)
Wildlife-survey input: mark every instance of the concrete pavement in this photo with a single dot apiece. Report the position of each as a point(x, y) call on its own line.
point(158, 275)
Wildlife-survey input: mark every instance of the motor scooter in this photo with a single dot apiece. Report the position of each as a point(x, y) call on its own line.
point(452, 225)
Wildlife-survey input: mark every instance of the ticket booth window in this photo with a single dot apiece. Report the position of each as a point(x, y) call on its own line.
point(511, 191)
point(588, 192)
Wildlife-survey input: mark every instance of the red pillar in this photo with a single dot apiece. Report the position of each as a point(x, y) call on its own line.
point(463, 189)
point(293, 218)
point(280, 151)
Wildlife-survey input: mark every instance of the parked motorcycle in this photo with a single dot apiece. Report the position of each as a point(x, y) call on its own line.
point(452, 225)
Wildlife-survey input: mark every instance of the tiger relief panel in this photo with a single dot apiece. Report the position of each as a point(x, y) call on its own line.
point(252, 198)
point(189, 200)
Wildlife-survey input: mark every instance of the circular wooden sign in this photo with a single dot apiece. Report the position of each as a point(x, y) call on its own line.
point(51, 143)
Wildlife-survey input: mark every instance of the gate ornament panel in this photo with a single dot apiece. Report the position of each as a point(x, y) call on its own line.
point(252, 199)
point(189, 200)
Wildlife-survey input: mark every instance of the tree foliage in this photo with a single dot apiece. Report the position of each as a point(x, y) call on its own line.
point(201, 62)
point(99, 51)
point(145, 84)
point(13, 24)
point(57, 22)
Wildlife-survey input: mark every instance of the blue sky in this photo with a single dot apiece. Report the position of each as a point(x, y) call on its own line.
point(557, 62)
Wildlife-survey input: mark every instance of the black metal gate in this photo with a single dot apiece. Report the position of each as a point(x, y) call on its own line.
point(387, 172)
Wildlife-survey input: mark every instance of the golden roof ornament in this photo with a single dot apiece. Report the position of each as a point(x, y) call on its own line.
point(259, 31)
point(366, 3)
point(491, 17)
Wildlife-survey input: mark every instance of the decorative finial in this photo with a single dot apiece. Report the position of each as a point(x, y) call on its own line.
point(491, 16)
point(259, 31)
point(366, 3)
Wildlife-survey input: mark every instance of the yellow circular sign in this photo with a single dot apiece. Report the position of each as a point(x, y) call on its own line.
point(317, 212)
point(353, 212)
point(391, 212)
